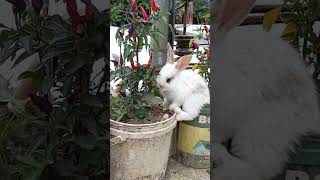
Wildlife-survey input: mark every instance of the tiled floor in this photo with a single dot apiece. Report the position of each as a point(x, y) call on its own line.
point(177, 171)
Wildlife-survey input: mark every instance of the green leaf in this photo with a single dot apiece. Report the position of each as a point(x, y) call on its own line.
point(285, 18)
point(21, 57)
point(26, 42)
point(67, 85)
point(26, 74)
point(3, 37)
point(289, 33)
point(3, 26)
point(38, 77)
point(172, 31)
point(61, 37)
point(206, 16)
point(5, 93)
point(194, 67)
point(190, 42)
point(45, 84)
point(75, 64)
point(270, 17)
point(55, 52)
point(4, 51)
point(86, 141)
point(120, 115)
point(29, 161)
point(13, 52)
point(91, 100)
point(65, 167)
point(152, 100)
point(36, 145)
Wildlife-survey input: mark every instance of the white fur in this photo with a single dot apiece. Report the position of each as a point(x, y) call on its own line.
point(264, 101)
point(187, 89)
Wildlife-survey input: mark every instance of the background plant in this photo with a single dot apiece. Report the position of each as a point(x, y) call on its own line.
point(201, 11)
point(203, 55)
point(65, 139)
point(300, 18)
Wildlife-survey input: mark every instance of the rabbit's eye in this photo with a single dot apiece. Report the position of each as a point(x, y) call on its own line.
point(168, 80)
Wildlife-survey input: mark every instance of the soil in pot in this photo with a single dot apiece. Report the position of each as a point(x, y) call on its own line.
point(157, 114)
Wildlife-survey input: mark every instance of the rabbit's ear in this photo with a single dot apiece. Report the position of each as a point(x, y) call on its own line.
point(170, 58)
point(183, 62)
point(231, 13)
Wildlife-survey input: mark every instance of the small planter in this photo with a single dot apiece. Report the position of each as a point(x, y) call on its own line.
point(194, 141)
point(140, 151)
point(182, 47)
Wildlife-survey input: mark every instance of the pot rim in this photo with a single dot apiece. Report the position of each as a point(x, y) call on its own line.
point(143, 125)
point(142, 131)
point(185, 36)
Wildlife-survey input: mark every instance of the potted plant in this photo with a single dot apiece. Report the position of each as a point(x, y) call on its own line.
point(55, 126)
point(182, 47)
point(140, 129)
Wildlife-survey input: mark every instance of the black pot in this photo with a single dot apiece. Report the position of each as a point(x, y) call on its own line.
point(182, 47)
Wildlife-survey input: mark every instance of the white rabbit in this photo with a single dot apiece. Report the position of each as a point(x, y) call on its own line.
point(264, 100)
point(182, 87)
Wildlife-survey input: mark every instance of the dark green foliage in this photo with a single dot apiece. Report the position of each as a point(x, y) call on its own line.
point(119, 8)
point(71, 141)
point(300, 29)
point(201, 11)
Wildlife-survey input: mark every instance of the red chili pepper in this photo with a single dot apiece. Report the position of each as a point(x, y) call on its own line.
point(72, 10)
point(115, 63)
point(148, 65)
point(121, 60)
point(123, 94)
point(154, 6)
point(17, 5)
point(131, 30)
point(37, 5)
point(206, 29)
point(309, 62)
point(208, 55)
point(150, 60)
point(42, 102)
point(196, 45)
point(89, 12)
point(134, 6)
point(144, 14)
point(133, 66)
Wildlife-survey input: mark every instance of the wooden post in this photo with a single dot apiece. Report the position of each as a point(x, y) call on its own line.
point(189, 13)
point(159, 53)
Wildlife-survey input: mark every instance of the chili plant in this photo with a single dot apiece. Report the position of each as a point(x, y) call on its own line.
point(136, 91)
point(66, 136)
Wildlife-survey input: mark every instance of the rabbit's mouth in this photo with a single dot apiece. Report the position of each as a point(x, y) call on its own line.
point(163, 89)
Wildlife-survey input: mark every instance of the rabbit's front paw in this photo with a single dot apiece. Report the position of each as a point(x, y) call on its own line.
point(181, 115)
point(173, 106)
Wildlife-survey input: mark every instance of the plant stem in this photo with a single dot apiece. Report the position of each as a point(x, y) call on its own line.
point(137, 50)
